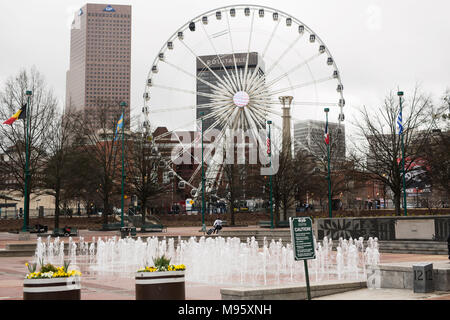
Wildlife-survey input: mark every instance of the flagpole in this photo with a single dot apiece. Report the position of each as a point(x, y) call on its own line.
point(203, 182)
point(400, 94)
point(123, 105)
point(270, 177)
point(27, 165)
point(329, 171)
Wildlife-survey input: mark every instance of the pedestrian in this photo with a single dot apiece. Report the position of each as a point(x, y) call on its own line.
point(217, 226)
point(448, 245)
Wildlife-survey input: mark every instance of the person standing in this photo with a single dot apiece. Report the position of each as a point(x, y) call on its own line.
point(448, 245)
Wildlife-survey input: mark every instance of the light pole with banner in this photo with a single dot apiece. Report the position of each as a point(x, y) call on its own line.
point(327, 142)
point(400, 132)
point(203, 180)
point(269, 152)
point(123, 105)
point(26, 205)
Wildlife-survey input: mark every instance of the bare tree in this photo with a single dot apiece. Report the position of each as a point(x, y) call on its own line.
point(437, 151)
point(57, 172)
point(292, 180)
point(241, 178)
point(233, 175)
point(96, 137)
point(379, 150)
point(341, 170)
point(41, 111)
point(81, 178)
point(144, 172)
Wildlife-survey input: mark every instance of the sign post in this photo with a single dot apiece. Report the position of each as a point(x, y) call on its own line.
point(303, 243)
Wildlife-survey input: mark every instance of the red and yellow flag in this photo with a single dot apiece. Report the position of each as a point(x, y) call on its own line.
point(18, 115)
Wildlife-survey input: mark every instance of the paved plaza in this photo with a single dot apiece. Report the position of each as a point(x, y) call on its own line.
point(13, 269)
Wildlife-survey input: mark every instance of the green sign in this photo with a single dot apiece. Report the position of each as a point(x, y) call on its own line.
point(302, 238)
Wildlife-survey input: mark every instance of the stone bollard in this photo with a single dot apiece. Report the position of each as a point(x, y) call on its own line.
point(423, 277)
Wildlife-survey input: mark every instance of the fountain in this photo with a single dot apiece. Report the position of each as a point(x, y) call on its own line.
point(217, 260)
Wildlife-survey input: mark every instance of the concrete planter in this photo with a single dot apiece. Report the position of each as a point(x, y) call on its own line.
point(167, 285)
point(52, 289)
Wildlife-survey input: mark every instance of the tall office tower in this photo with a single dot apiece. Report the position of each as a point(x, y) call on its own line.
point(215, 64)
point(309, 135)
point(100, 60)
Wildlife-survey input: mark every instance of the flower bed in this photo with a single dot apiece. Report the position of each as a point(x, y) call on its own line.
point(162, 281)
point(180, 267)
point(52, 283)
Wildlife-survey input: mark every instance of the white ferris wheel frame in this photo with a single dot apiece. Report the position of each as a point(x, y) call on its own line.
point(225, 11)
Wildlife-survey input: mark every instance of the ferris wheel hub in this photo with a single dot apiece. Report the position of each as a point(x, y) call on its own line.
point(241, 98)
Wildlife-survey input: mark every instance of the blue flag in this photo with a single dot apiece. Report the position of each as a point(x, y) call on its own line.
point(400, 124)
point(119, 126)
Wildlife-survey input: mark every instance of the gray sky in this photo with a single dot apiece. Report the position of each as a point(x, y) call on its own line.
point(377, 44)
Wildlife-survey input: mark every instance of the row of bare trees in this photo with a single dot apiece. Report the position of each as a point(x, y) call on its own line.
point(377, 149)
point(74, 155)
point(374, 155)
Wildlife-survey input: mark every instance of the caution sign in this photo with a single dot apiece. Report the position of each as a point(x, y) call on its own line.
point(302, 238)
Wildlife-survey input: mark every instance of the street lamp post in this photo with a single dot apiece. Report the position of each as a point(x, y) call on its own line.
point(329, 170)
point(269, 151)
point(400, 95)
point(203, 181)
point(123, 105)
point(27, 164)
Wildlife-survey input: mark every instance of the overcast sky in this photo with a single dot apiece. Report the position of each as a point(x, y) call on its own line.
point(377, 44)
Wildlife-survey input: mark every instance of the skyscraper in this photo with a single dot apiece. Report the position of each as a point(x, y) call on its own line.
point(100, 59)
point(215, 64)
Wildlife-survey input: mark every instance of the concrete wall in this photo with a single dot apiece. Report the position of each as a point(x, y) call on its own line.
point(417, 229)
point(402, 277)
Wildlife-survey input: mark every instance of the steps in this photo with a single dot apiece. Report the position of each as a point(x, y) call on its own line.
point(414, 247)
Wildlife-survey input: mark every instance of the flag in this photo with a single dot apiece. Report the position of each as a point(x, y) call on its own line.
point(21, 114)
point(400, 124)
point(199, 125)
point(119, 126)
point(268, 146)
point(327, 135)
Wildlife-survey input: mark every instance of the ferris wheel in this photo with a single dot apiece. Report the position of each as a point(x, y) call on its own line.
point(232, 68)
